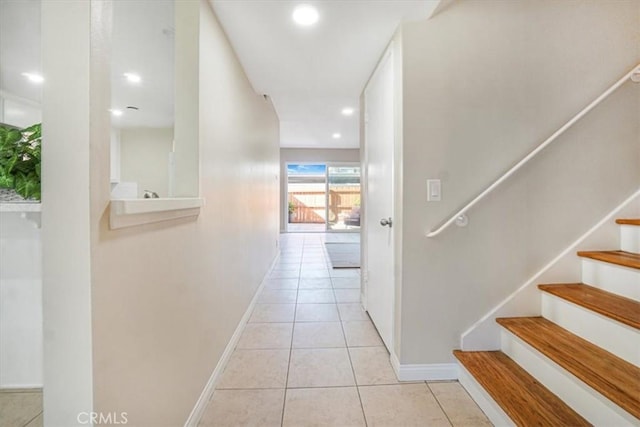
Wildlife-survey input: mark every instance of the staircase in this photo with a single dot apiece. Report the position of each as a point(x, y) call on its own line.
point(578, 364)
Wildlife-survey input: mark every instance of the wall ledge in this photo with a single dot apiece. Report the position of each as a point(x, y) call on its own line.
point(21, 207)
point(134, 212)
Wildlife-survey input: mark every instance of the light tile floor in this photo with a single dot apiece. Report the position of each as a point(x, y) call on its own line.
point(21, 408)
point(310, 356)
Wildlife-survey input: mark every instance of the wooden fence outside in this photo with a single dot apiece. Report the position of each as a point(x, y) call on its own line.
point(309, 206)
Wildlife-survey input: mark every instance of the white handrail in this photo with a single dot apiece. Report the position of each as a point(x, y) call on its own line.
point(633, 74)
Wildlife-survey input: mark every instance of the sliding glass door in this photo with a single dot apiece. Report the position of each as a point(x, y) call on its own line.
point(306, 197)
point(323, 197)
point(343, 198)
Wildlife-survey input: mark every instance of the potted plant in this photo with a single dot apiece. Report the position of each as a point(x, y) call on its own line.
point(292, 209)
point(20, 160)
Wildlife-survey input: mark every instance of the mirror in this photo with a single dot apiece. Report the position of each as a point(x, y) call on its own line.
point(142, 98)
point(20, 63)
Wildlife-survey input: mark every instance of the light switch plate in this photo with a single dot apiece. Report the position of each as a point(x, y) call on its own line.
point(434, 190)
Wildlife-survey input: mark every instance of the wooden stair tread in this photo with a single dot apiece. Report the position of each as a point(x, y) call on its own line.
point(521, 396)
point(628, 221)
point(616, 307)
point(626, 259)
point(614, 378)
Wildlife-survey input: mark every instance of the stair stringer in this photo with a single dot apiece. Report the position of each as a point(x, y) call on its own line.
point(565, 267)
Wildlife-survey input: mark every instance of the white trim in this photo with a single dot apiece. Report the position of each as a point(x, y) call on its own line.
point(579, 396)
point(138, 206)
point(424, 372)
point(20, 207)
point(207, 393)
point(617, 279)
point(630, 238)
point(608, 334)
point(131, 212)
point(482, 337)
point(20, 387)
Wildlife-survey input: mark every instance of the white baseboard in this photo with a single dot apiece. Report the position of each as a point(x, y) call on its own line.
point(20, 387)
point(207, 392)
point(424, 372)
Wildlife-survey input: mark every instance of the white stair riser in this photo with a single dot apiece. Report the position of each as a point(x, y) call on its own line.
point(594, 407)
point(630, 238)
point(491, 409)
point(609, 334)
point(613, 278)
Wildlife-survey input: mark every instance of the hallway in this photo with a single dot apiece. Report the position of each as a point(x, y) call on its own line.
point(310, 356)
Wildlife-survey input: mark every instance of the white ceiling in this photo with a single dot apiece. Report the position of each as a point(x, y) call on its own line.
point(311, 73)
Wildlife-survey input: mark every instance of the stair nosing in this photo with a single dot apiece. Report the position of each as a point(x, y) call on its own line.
point(633, 323)
point(530, 390)
point(628, 221)
point(616, 392)
point(613, 258)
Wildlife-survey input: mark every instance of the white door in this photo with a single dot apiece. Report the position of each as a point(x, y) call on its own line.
point(379, 147)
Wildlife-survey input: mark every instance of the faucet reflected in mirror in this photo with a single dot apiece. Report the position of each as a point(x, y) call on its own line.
point(148, 194)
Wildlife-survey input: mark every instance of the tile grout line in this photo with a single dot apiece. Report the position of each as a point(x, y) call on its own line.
point(353, 371)
point(472, 399)
point(31, 420)
point(312, 387)
point(438, 402)
point(293, 329)
point(364, 415)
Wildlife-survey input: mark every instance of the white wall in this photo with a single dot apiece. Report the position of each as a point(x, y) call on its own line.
point(66, 237)
point(308, 155)
point(144, 158)
point(136, 319)
point(168, 296)
point(484, 83)
point(114, 152)
point(19, 112)
point(20, 301)
point(187, 102)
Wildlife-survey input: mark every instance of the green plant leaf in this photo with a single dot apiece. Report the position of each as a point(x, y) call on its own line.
point(9, 135)
point(20, 159)
point(27, 186)
point(6, 181)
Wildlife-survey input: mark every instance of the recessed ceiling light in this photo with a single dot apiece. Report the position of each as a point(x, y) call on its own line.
point(347, 111)
point(33, 77)
point(116, 113)
point(133, 78)
point(336, 136)
point(305, 15)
